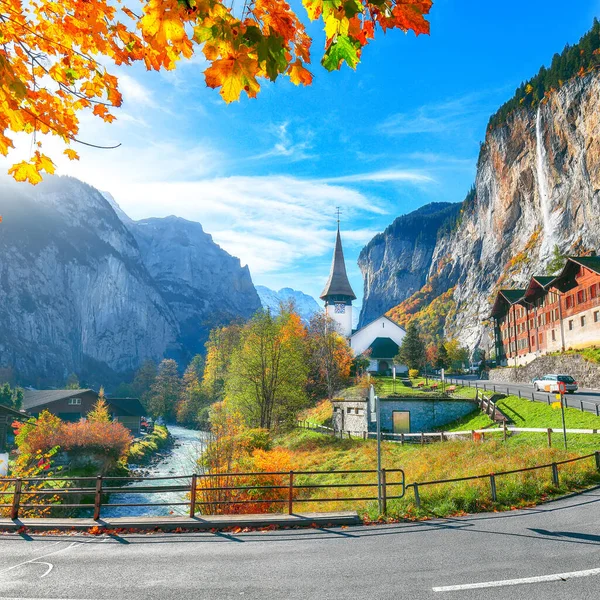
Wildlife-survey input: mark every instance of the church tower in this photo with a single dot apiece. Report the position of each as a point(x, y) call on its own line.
point(338, 294)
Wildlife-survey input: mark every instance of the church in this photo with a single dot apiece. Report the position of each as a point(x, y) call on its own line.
point(380, 339)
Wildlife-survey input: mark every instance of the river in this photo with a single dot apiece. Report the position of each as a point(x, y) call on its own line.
point(181, 459)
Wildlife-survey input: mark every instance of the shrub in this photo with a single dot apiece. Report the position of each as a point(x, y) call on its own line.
point(142, 450)
point(413, 373)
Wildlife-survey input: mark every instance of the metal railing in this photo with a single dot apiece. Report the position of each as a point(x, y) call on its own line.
point(213, 490)
point(493, 476)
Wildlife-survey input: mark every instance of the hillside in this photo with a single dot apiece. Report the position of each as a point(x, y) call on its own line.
point(536, 187)
point(306, 306)
point(82, 291)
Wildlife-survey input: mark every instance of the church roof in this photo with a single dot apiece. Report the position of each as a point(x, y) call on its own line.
point(383, 348)
point(338, 284)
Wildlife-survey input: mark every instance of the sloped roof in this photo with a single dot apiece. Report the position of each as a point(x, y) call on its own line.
point(543, 280)
point(12, 411)
point(355, 331)
point(35, 398)
point(338, 284)
point(131, 406)
point(591, 262)
point(504, 299)
point(383, 347)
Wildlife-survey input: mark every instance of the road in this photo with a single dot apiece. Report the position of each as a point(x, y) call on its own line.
point(589, 399)
point(408, 560)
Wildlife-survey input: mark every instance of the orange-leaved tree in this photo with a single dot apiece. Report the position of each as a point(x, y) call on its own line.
point(52, 54)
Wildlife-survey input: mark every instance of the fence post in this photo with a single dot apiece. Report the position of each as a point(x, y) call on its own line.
point(364, 435)
point(291, 494)
point(532, 397)
point(472, 435)
point(14, 513)
point(193, 487)
point(597, 411)
point(597, 455)
point(505, 430)
point(402, 439)
point(548, 399)
point(98, 498)
point(441, 436)
point(422, 439)
point(581, 405)
point(555, 474)
point(519, 394)
point(383, 493)
point(417, 497)
point(493, 487)
point(549, 437)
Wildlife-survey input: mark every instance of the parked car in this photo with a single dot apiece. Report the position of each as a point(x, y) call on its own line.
point(549, 383)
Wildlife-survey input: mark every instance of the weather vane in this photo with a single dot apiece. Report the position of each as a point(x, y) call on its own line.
point(337, 210)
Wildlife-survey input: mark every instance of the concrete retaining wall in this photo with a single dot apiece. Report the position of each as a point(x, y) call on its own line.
point(586, 374)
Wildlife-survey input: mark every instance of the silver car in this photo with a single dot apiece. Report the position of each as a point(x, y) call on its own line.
point(549, 383)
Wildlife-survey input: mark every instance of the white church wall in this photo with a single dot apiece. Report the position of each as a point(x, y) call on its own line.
point(343, 320)
point(381, 327)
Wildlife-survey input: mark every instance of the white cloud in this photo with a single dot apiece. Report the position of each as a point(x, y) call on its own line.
point(386, 176)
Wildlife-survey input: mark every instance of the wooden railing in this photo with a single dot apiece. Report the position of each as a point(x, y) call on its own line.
point(202, 490)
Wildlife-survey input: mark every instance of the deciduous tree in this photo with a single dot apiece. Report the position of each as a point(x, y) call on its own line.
point(412, 350)
point(165, 391)
point(52, 54)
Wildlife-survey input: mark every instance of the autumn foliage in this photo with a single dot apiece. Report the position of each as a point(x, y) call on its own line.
point(108, 438)
point(52, 54)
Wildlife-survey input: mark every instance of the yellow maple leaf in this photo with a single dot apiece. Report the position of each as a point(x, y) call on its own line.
point(43, 163)
point(234, 74)
point(71, 154)
point(25, 171)
point(299, 74)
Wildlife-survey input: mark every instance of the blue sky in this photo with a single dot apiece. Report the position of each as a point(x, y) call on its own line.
point(264, 176)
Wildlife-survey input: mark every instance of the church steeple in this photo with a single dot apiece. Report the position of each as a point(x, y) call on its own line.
point(338, 284)
point(338, 294)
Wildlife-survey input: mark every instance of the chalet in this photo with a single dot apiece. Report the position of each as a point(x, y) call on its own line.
point(73, 405)
point(7, 417)
point(551, 314)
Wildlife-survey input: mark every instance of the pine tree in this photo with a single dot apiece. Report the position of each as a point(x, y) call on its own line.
point(443, 360)
point(557, 262)
point(165, 391)
point(100, 412)
point(412, 352)
point(72, 382)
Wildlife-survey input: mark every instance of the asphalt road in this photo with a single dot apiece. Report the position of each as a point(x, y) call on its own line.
point(588, 399)
point(409, 560)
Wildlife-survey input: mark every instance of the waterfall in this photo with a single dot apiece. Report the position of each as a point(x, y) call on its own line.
point(542, 178)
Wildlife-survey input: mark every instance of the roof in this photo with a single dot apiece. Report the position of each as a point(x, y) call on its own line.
point(338, 284)
point(132, 406)
point(590, 262)
point(355, 331)
point(506, 298)
point(35, 398)
point(543, 280)
point(12, 411)
point(383, 347)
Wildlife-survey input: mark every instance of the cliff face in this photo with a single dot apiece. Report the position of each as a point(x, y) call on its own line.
point(395, 263)
point(537, 186)
point(77, 295)
point(203, 285)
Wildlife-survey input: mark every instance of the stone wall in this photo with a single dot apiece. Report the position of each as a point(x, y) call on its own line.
point(586, 374)
point(425, 414)
point(350, 415)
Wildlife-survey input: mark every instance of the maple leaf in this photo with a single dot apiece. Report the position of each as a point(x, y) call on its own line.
point(299, 74)
point(233, 74)
point(25, 171)
point(71, 154)
point(343, 48)
point(409, 15)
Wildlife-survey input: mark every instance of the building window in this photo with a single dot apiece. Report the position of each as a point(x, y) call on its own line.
point(594, 291)
point(349, 410)
point(533, 340)
point(74, 401)
point(571, 325)
point(596, 317)
point(553, 335)
point(569, 302)
point(583, 321)
point(541, 338)
point(580, 297)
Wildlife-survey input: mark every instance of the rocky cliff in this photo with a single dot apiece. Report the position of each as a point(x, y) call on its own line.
point(78, 295)
point(395, 263)
point(537, 187)
point(306, 306)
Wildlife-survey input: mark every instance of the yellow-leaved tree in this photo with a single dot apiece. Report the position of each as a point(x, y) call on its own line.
point(53, 53)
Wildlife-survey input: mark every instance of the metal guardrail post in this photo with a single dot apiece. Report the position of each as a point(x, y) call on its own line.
point(417, 497)
point(505, 430)
point(402, 439)
point(549, 437)
point(555, 474)
point(597, 456)
point(291, 494)
point(383, 493)
point(422, 439)
point(98, 498)
point(493, 487)
point(581, 405)
point(14, 513)
point(193, 486)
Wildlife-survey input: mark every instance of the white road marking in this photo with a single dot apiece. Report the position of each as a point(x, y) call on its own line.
point(38, 558)
point(523, 580)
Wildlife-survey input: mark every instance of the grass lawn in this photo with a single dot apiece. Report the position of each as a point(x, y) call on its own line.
point(452, 459)
point(385, 387)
